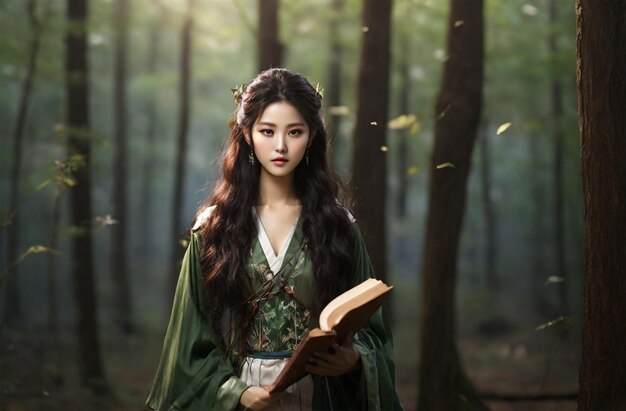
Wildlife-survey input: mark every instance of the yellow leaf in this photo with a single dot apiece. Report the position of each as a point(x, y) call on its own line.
point(338, 110)
point(503, 127)
point(554, 279)
point(415, 128)
point(373, 123)
point(444, 112)
point(42, 185)
point(459, 23)
point(365, 29)
point(184, 243)
point(384, 149)
point(412, 170)
point(402, 121)
point(445, 165)
point(550, 323)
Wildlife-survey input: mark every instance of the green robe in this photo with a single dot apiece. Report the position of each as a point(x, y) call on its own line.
point(194, 374)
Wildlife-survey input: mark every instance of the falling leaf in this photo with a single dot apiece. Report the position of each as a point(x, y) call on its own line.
point(373, 123)
point(338, 110)
point(44, 184)
point(384, 149)
point(550, 323)
point(412, 170)
point(445, 165)
point(530, 10)
point(184, 243)
point(554, 279)
point(444, 112)
point(402, 121)
point(103, 221)
point(365, 29)
point(415, 128)
point(459, 23)
point(59, 127)
point(503, 127)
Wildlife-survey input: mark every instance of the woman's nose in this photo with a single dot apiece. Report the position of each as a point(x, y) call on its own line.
point(281, 147)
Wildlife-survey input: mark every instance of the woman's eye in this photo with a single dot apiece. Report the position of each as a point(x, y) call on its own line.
point(267, 132)
point(295, 132)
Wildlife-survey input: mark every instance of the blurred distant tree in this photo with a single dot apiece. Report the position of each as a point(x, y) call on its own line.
point(403, 152)
point(181, 141)
point(443, 384)
point(601, 64)
point(333, 82)
point(12, 310)
point(556, 97)
point(79, 147)
point(119, 249)
point(270, 47)
point(488, 209)
point(150, 112)
point(369, 164)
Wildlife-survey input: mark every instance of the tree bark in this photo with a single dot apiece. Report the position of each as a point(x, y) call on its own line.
point(119, 249)
point(13, 310)
point(270, 48)
point(181, 142)
point(493, 284)
point(442, 382)
point(556, 96)
point(369, 162)
point(601, 64)
point(333, 94)
point(79, 145)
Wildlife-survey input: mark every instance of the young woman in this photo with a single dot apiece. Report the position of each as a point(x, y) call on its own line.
point(269, 249)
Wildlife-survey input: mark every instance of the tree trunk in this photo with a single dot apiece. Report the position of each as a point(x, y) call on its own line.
point(442, 382)
point(333, 92)
point(369, 162)
point(119, 249)
point(13, 310)
point(79, 145)
point(601, 64)
point(270, 47)
point(403, 146)
point(150, 110)
point(181, 143)
point(493, 284)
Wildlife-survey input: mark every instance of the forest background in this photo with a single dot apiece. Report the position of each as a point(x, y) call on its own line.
point(520, 259)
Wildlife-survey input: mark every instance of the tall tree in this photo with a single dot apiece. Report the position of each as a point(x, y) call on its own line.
point(601, 64)
point(369, 163)
point(119, 249)
point(490, 218)
point(181, 140)
point(150, 110)
point(403, 144)
point(333, 95)
point(79, 148)
point(270, 47)
point(442, 382)
point(12, 310)
point(556, 97)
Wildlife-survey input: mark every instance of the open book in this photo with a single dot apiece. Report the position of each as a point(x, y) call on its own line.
point(347, 313)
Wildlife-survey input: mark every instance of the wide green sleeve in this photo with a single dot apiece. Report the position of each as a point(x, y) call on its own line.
point(193, 373)
point(374, 384)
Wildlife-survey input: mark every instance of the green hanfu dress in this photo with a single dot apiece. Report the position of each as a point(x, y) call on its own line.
point(195, 375)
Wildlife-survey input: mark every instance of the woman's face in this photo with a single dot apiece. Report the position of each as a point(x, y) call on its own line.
point(280, 137)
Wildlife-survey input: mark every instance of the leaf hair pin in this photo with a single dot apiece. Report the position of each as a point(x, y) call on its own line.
point(238, 92)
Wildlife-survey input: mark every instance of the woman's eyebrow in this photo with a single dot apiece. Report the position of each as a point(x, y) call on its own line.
point(267, 123)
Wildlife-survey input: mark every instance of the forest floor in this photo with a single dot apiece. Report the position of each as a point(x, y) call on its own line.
point(34, 376)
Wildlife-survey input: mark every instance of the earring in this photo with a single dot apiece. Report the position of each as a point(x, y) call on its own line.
point(251, 158)
point(306, 156)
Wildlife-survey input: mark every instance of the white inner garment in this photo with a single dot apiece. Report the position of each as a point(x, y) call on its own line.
point(263, 371)
point(275, 261)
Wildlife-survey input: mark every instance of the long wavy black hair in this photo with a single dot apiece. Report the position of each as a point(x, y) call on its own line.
point(227, 234)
